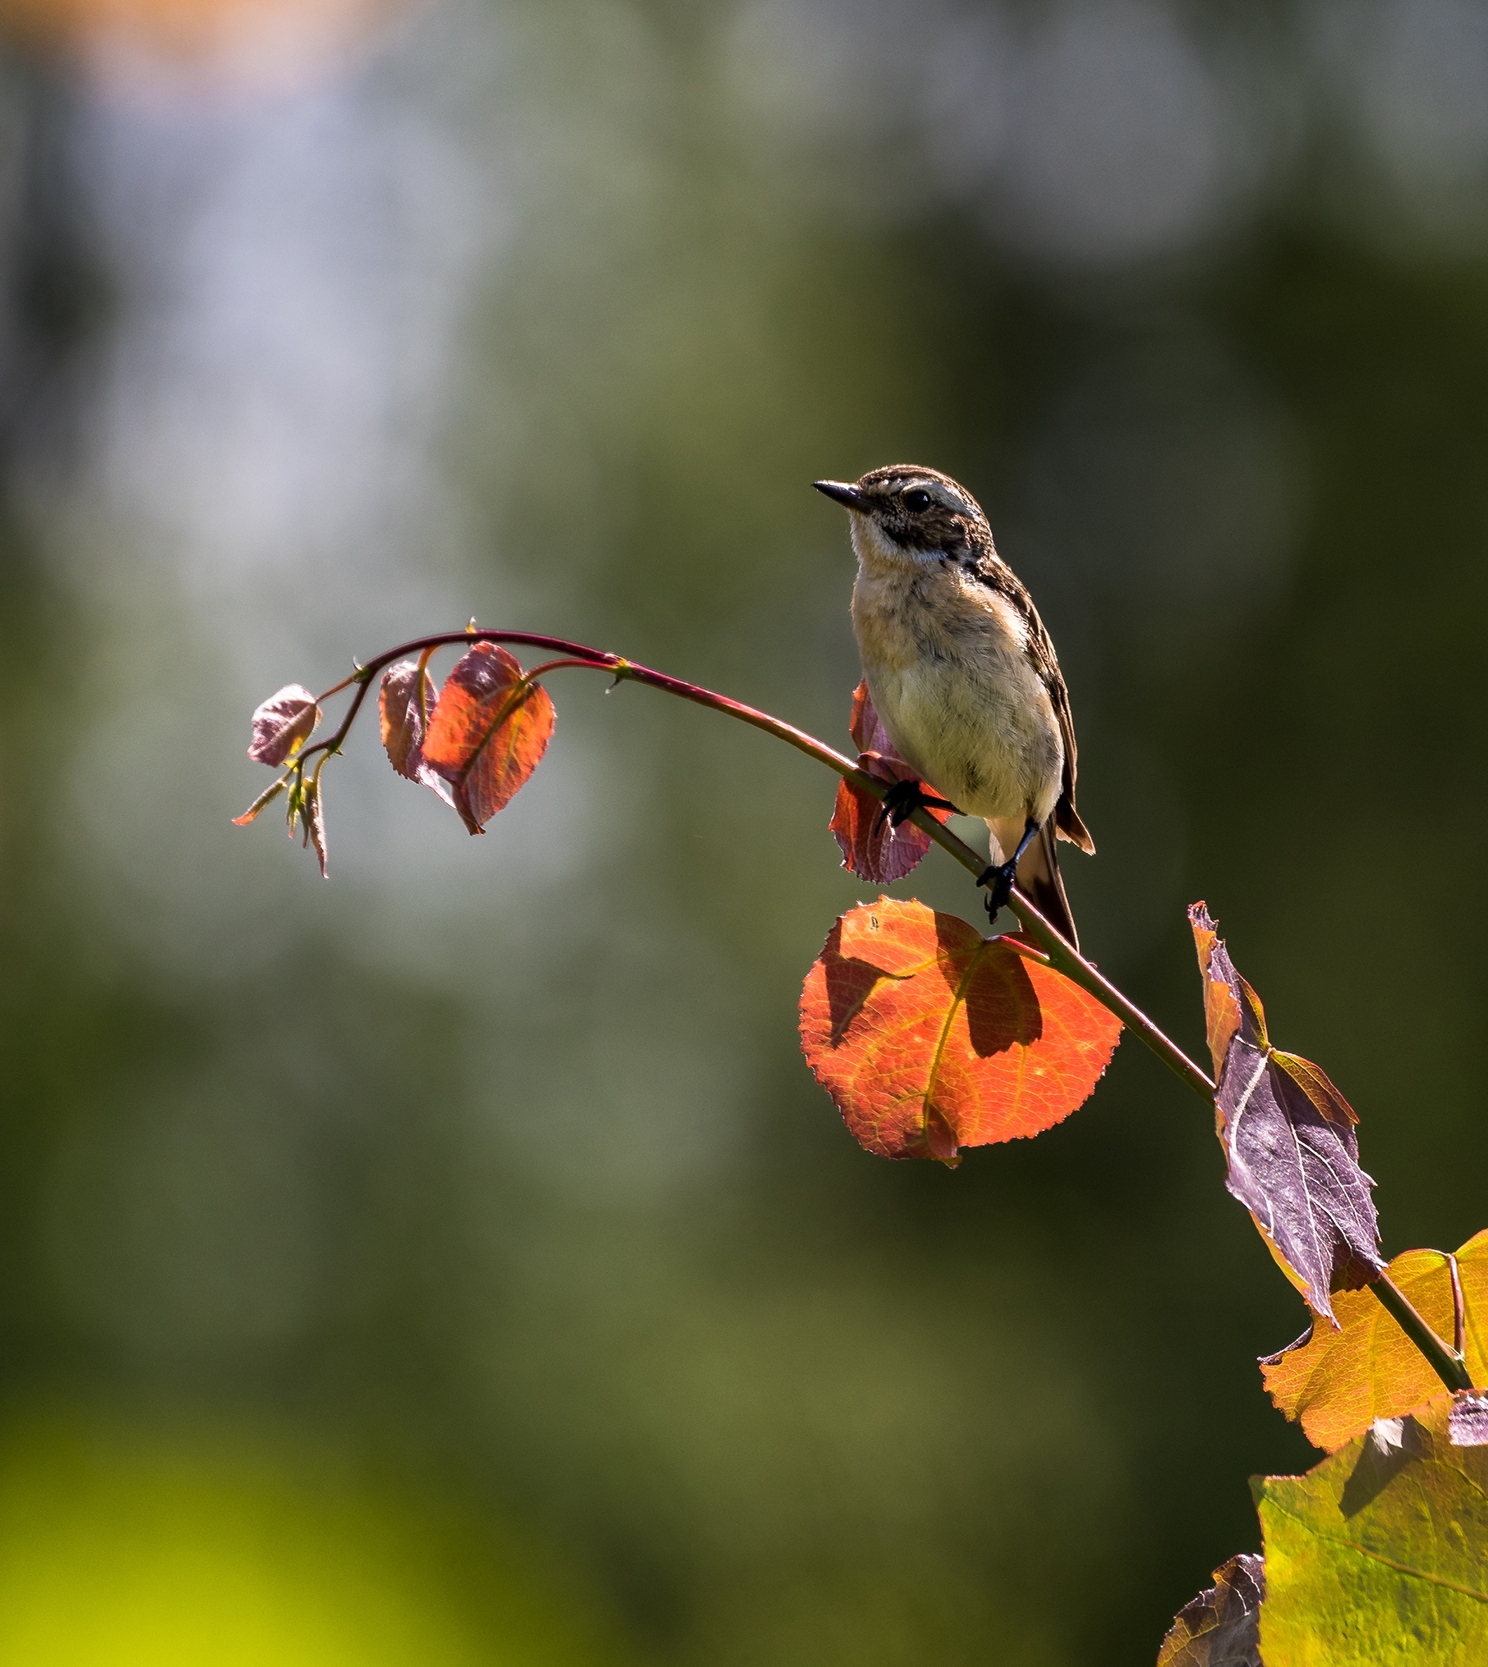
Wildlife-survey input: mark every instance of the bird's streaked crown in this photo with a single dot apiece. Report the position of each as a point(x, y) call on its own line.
point(915, 508)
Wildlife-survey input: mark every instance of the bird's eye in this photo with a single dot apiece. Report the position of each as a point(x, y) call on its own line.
point(917, 500)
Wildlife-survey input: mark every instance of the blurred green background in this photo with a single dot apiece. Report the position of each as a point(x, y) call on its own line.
point(456, 1261)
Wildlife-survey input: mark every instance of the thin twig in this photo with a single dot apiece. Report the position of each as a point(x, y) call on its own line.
point(1063, 955)
point(424, 646)
point(1459, 1308)
point(1447, 1363)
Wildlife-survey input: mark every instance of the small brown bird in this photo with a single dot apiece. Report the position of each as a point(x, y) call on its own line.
point(964, 675)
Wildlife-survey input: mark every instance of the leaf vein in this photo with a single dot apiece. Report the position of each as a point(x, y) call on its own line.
point(1379, 1556)
point(945, 1032)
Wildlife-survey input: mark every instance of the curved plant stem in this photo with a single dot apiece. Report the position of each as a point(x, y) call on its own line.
point(1459, 1307)
point(1062, 955)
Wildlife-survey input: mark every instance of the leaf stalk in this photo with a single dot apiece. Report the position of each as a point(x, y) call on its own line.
point(1446, 1362)
point(1063, 955)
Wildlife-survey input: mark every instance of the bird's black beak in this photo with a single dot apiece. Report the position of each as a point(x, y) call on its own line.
point(850, 497)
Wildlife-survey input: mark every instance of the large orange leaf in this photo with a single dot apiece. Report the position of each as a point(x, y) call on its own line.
point(1336, 1383)
point(872, 847)
point(930, 1037)
point(488, 732)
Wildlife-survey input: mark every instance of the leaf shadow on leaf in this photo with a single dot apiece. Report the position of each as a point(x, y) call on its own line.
point(1337, 1384)
point(1003, 1015)
point(999, 1017)
point(930, 1037)
point(1379, 1463)
point(849, 984)
point(1377, 1557)
point(488, 732)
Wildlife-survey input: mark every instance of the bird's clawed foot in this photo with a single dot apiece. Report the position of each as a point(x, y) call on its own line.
point(903, 799)
point(998, 878)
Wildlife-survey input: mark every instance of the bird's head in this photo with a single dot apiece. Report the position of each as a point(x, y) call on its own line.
point(904, 515)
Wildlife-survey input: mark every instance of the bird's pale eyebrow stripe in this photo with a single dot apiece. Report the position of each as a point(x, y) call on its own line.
point(950, 500)
point(938, 490)
point(942, 494)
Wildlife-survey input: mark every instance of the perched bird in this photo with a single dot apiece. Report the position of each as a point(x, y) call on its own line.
point(964, 675)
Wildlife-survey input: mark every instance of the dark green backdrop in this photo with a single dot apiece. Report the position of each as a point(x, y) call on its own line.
point(493, 1166)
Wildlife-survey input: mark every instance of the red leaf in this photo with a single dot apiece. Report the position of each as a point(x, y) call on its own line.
point(282, 723)
point(488, 732)
point(866, 727)
point(405, 702)
point(930, 1037)
point(872, 847)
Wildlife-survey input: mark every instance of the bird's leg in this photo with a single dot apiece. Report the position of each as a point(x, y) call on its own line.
point(903, 799)
point(1002, 876)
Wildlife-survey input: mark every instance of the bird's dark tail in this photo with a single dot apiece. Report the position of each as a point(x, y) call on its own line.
point(1038, 877)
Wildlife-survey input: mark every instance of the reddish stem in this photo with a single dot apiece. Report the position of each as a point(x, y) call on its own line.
point(1064, 956)
point(1448, 1363)
point(1459, 1307)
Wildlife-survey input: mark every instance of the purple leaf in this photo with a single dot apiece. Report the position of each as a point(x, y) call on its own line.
point(282, 723)
point(407, 698)
point(1220, 1627)
point(1289, 1144)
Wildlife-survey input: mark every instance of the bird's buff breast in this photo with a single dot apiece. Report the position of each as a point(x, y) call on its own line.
point(945, 661)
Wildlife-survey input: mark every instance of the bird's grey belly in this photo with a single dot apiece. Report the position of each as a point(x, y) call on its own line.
point(988, 740)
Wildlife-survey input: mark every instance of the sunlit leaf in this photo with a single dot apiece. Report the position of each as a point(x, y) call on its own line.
point(1288, 1136)
point(264, 799)
point(872, 847)
point(1221, 1006)
point(405, 704)
point(313, 813)
point(1337, 1383)
point(930, 1037)
point(1220, 1628)
point(282, 724)
point(488, 732)
point(1379, 1556)
point(294, 803)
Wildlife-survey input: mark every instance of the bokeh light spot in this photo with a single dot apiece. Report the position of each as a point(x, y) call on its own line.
point(119, 1549)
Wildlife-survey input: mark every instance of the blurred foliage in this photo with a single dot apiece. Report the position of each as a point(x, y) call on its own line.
point(116, 1548)
point(498, 1163)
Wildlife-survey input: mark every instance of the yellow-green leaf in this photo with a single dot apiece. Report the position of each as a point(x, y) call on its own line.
point(1379, 1556)
point(1336, 1383)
